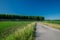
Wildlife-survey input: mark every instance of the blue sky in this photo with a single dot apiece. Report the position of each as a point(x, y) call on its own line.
point(50, 9)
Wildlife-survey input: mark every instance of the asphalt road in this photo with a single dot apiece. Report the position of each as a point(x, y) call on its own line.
point(43, 33)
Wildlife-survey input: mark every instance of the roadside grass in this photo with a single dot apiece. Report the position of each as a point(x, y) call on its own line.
point(53, 24)
point(17, 30)
point(25, 33)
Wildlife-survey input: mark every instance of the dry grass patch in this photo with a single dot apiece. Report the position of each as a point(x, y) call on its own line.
point(56, 26)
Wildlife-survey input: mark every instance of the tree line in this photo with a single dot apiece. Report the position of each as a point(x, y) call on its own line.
point(19, 17)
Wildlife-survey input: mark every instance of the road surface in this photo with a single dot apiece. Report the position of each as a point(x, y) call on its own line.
point(43, 33)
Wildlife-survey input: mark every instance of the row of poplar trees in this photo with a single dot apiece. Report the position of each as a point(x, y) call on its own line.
point(19, 17)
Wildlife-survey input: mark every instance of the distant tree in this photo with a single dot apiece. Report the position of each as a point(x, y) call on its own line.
point(10, 17)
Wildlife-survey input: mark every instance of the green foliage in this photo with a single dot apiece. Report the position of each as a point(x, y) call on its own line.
point(15, 17)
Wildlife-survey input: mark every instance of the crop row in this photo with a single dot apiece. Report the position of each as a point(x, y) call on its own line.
point(25, 33)
point(8, 27)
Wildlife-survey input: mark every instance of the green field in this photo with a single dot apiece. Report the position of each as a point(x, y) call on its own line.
point(16, 30)
point(55, 22)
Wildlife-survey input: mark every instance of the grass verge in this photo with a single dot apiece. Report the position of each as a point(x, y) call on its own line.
point(25, 33)
point(53, 25)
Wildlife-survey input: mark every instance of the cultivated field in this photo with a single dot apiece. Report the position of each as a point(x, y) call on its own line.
point(16, 30)
point(54, 24)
